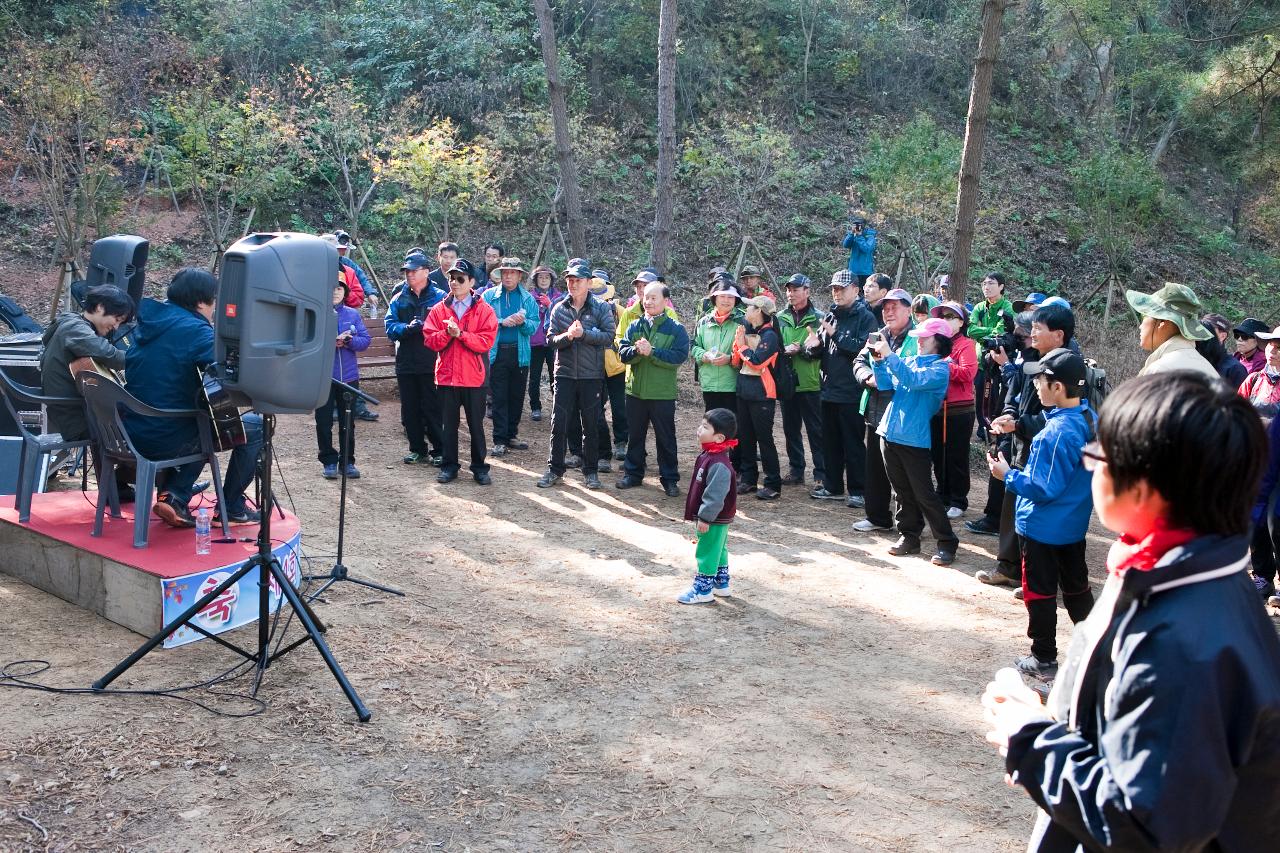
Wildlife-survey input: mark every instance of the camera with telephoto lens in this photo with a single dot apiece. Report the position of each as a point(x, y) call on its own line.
point(1009, 341)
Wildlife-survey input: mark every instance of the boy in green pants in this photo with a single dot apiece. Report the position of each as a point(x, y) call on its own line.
point(711, 504)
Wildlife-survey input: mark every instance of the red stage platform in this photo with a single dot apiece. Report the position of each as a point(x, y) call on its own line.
point(139, 588)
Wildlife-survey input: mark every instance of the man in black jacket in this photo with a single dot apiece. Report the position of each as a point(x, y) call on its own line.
point(420, 412)
point(877, 492)
point(842, 335)
point(73, 337)
point(580, 329)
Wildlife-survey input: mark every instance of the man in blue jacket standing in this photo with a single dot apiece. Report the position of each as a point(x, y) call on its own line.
point(173, 341)
point(919, 383)
point(1051, 512)
point(861, 243)
point(421, 414)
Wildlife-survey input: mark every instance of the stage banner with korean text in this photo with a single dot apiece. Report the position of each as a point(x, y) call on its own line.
point(238, 603)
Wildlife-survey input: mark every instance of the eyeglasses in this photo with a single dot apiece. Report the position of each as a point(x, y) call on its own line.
point(1094, 458)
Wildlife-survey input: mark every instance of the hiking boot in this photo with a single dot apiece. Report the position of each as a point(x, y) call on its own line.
point(671, 490)
point(764, 493)
point(1036, 668)
point(573, 460)
point(944, 557)
point(330, 471)
point(720, 586)
point(548, 480)
point(482, 479)
point(353, 473)
point(982, 527)
point(904, 547)
point(701, 592)
point(436, 459)
point(869, 526)
point(515, 444)
point(994, 577)
point(536, 415)
point(793, 479)
point(1265, 588)
point(856, 502)
point(498, 450)
point(954, 512)
point(243, 515)
point(366, 415)
point(412, 458)
point(619, 451)
point(446, 476)
point(604, 466)
point(820, 493)
point(592, 481)
point(172, 513)
point(746, 488)
point(628, 483)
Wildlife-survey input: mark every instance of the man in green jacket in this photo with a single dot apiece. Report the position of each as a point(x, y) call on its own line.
point(653, 349)
point(988, 318)
point(798, 326)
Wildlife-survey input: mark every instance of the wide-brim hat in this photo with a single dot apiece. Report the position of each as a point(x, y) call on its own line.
point(1174, 302)
point(1250, 327)
point(724, 289)
point(1273, 335)
point(602, 289)
point(951, 306)
point(510, 264)
point(933, 326)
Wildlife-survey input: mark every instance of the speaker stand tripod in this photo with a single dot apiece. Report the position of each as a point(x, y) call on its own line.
point(267, 568)
point(339, 571)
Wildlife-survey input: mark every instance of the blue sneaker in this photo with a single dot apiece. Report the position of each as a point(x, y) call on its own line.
point(720, 586)
point(700, 592)
point(353, 473)
point(330, 472)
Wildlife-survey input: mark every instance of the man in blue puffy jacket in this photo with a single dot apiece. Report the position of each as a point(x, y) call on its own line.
point(861, 243)
point(1051, 512)
point(174, 339)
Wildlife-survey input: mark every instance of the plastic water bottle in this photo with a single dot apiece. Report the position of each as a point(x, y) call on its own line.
point(203, 540)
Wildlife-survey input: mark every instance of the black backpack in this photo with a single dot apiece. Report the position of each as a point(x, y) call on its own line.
point(1096, 386)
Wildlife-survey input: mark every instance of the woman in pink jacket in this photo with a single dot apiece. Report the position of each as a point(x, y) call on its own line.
point(953, 424)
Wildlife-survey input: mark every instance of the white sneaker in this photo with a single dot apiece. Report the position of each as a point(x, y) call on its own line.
point(867, 526)
point(954, 512)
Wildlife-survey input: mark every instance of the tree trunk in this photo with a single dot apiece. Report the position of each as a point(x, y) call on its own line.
point(664, 215)
point(975, 137)
point(1166, 136)
point(560, 125)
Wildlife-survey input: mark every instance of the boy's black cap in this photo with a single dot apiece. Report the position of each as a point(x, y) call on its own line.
point(1060, 364)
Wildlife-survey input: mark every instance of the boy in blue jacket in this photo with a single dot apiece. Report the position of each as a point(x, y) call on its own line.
point(1051, 513)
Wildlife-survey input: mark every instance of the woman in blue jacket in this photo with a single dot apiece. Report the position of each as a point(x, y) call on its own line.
point(919, 384)
point(352, 338)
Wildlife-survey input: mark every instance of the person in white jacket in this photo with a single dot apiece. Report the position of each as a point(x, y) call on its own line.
point(1170, 327)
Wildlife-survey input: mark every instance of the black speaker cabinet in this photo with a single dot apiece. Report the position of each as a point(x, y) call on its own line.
point(120, 260)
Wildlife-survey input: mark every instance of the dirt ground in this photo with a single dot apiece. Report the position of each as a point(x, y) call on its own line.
point(538, 688)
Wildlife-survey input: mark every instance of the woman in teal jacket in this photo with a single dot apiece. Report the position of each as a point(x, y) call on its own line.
point(919, 384)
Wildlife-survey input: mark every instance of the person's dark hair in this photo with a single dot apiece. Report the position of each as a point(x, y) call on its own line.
point(920, 305)
point(448, 247)
point(1211, 348)
point(723, 421)
point(191, 287)
point(1024, 320)
point(1194, 440)
point(882, 281)
point(1059, 319)
point(1217, 324)
point(114, 301)
point(997, 277)
point(498, 246)
point(943, 345)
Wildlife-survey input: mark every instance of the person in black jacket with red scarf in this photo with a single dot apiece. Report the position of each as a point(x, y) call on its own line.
point(1162, 731)
point(755, 354)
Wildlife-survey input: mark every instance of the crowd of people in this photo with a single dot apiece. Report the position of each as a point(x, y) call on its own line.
point(888, 391)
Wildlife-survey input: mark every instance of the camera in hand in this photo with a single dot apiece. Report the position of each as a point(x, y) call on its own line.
point(873, 338)
point(1009, 341)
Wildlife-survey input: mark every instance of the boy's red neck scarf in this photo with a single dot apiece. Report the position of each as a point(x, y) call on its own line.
point(1143, 554)
point(719, 446)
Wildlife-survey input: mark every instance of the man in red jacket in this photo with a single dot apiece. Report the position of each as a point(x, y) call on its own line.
point(462, 328)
